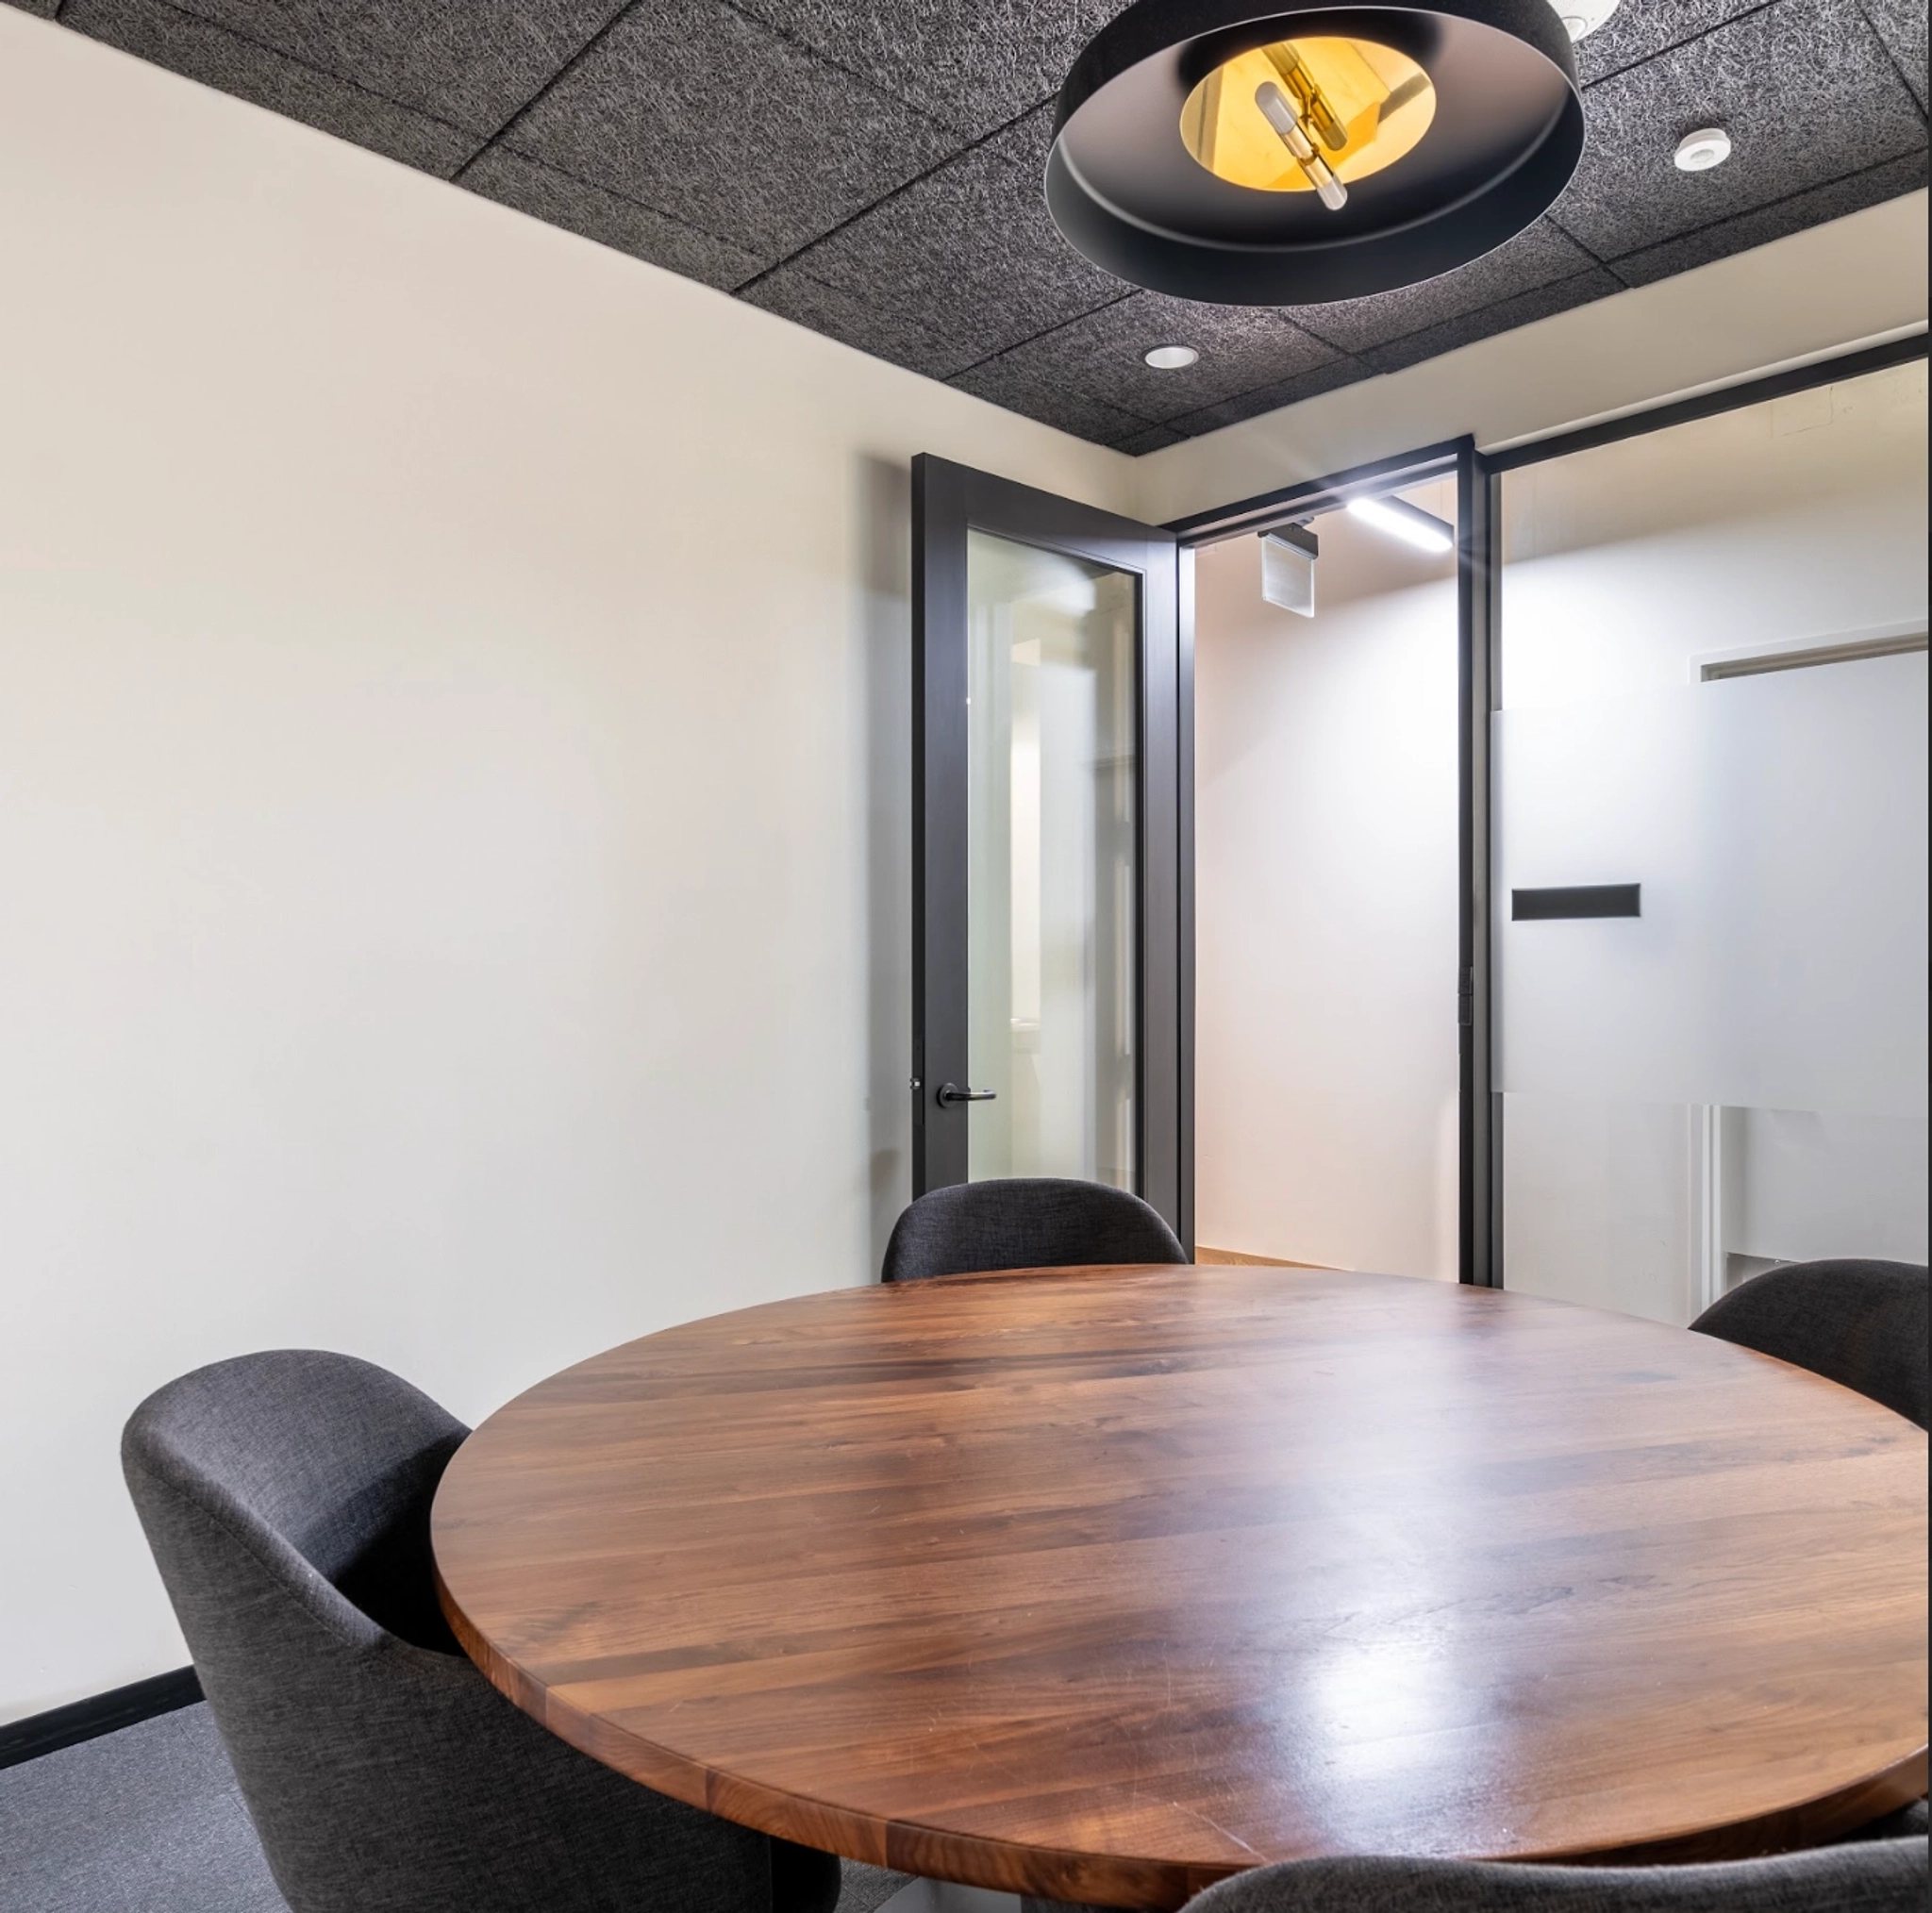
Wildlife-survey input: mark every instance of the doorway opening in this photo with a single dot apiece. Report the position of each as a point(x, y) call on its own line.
point(1326, 1060)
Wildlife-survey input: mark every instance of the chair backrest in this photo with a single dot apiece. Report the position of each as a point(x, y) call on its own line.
point(1862, 1323)
point(1861, 1876)
point(286, 1497)
point(1025, 1223)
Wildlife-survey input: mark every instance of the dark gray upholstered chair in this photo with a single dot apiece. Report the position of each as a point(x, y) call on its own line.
point(1873, 1875)
point(286, 1497)
point(1025, 1223)
point(1862, 1323)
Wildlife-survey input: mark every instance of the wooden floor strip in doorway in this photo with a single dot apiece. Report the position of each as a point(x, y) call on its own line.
point(1241, 1260)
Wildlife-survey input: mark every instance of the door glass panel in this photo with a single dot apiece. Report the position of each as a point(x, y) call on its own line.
point(1715, 686)
point(1052, 860)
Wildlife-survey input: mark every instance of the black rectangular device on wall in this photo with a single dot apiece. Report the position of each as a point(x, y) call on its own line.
point(1576, 900)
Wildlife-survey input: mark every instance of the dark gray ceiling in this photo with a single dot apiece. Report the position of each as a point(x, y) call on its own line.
point(872, 168)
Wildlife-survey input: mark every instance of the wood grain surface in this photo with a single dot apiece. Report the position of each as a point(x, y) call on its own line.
point(1101, 1585)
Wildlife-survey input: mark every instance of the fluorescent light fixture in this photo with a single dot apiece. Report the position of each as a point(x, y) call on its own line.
point(1700, 150)
point(1172, 357)
point(1409, 522)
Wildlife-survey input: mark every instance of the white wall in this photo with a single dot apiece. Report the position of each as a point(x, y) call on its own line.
point(1815, 294)
point(1325, 884)
point(453, 787)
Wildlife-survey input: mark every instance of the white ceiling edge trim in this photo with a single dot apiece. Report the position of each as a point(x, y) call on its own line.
point(1852, 281)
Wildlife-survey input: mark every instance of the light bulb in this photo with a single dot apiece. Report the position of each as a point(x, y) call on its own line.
point(1409, 522)
point(1307, 115)
point(1172, 357)
point(1294, 136)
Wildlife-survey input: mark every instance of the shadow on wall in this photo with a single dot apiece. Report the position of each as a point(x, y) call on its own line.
point(884, 519)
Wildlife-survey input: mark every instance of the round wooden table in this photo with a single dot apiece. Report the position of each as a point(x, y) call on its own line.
point(1101, 1585)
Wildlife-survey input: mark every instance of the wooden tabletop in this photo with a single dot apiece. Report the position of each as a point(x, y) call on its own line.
point(1101, 1585)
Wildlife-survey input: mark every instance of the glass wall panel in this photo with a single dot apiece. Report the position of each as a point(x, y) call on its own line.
point(1051, 740)
point(1714, 688)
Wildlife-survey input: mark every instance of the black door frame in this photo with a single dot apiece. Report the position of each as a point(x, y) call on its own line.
point(948, 500)
point(1479, 609)
point(1478, 1184)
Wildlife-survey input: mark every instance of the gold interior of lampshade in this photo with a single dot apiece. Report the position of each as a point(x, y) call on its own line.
point(1361, 105)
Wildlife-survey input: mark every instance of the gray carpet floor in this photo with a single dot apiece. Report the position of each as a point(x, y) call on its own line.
point(150, 1820)
point(145, 1820)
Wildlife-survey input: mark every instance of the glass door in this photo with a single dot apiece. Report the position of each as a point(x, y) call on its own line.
point(1048, 895)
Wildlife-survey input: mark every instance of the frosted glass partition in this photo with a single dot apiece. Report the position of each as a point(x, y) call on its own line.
point(1736, 1076)
point(1052, 863)
point(1777, 826)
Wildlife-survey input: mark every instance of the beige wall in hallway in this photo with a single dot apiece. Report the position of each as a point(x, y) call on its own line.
point(1326, 906)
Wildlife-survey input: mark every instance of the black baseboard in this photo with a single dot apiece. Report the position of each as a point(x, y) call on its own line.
point(80, 1721)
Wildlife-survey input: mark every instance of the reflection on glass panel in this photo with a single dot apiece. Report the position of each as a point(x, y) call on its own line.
point(1051, 858)
point(1715, 687)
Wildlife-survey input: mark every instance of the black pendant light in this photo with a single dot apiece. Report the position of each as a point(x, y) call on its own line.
point(1270, 153)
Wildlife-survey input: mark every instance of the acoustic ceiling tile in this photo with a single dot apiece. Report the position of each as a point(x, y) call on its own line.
point(185, 45)
point(580, 207)
point(691, 107)
point(973, 67)
point(46, 9)
point(1831, 201)
point(1505, 316)
point(1538, 256)
point(1021, 388)
point(881, 326)
point(970, 245)
point(1103, 354)
point(1268, 398)
point(1806, 89)
point(473, 65)
point(1901, 25)
point(1641, 29)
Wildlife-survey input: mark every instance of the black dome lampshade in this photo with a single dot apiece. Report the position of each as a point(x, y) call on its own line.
point(1269, 153)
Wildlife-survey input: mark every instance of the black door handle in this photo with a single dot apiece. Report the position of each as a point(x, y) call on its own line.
point(950, 1094)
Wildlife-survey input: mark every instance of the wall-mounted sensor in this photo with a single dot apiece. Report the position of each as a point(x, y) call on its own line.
point(1288, 568)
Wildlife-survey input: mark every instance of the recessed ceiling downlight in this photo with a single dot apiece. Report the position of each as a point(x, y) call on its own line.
point(1700, 150)
point(1172, 357)
point(1580, 17)
point(1287, 152)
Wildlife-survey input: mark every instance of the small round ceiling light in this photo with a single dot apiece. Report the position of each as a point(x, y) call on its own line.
point(1172, 357)
point(1281, 152)
point(1584, 16)
point(1700, 150)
